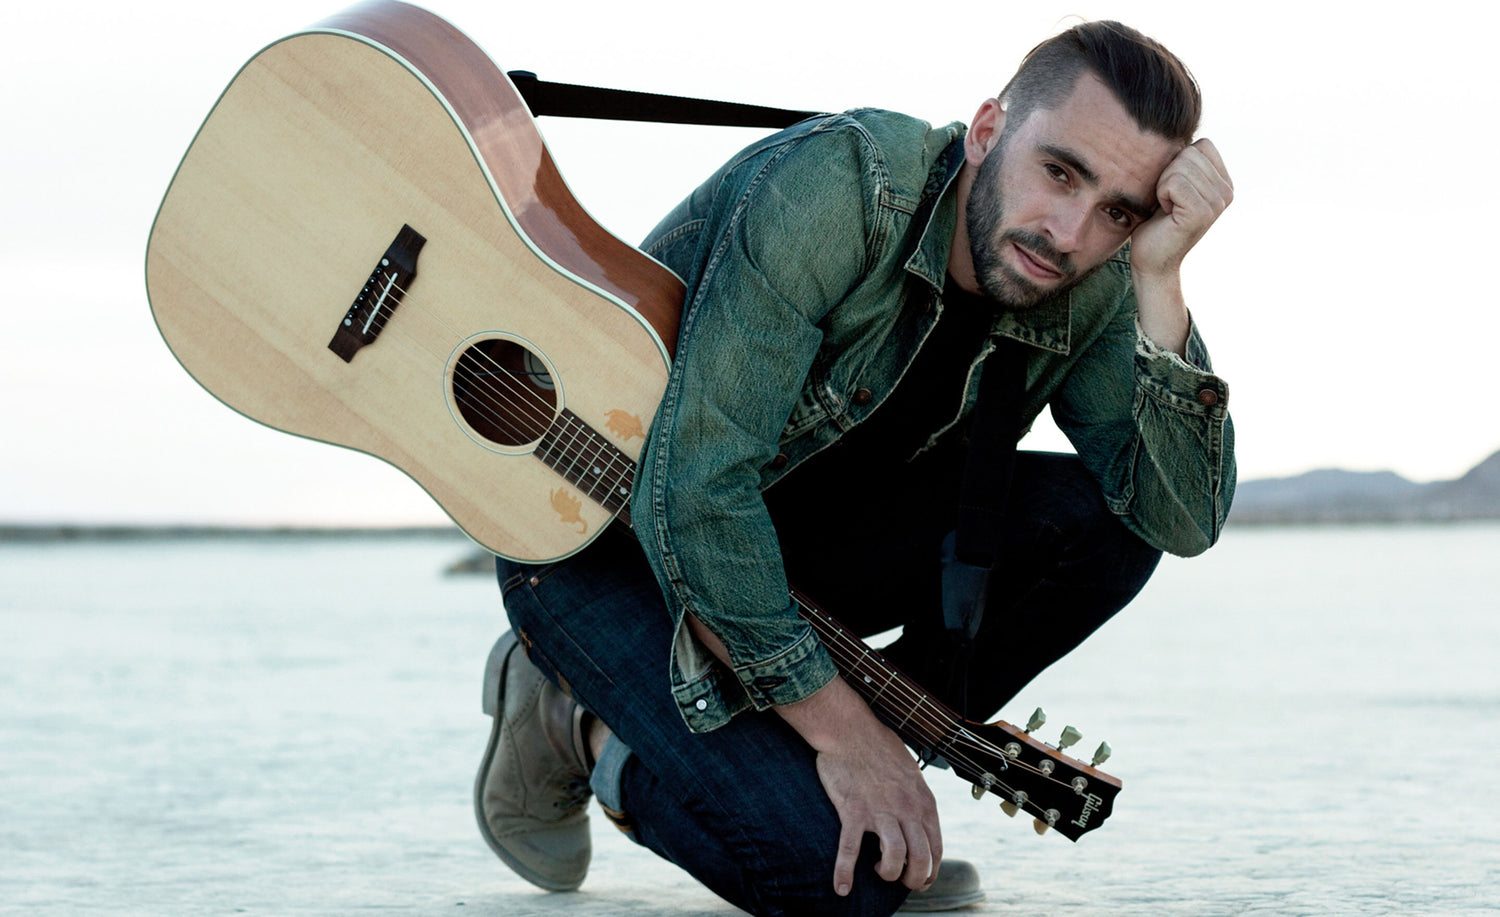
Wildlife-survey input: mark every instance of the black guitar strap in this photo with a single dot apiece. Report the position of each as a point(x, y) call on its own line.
point(565, 100)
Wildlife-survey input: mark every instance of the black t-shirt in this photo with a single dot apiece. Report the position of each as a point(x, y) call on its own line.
point(861, 521)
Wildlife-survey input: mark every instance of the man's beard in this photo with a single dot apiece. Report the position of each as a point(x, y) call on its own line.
point(997, 279)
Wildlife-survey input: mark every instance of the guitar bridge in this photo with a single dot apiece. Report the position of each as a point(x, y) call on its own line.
point(381, 294)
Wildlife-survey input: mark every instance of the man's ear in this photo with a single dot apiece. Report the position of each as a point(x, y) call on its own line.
point(984, 131)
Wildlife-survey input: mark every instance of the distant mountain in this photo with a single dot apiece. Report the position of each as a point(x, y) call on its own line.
point(1333, 495)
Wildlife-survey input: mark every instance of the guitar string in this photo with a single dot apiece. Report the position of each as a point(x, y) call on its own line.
point(613, 474)
point(934, 728)
point(508, 414)
point(566, 423)
point(860, 660)
point(516, 424)
point(938, 732)
point(508, 420)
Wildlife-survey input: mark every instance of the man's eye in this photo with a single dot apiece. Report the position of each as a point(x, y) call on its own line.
point(1121, 218)
point(1056, 171)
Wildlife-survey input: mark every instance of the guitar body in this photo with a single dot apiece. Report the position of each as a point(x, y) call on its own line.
point(329, 147)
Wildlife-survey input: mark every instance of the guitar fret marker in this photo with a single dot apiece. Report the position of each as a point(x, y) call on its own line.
point(587, 460)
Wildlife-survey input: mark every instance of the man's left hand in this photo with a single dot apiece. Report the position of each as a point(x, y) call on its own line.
point(1192, 191)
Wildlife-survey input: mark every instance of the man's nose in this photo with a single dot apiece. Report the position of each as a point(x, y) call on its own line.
point(1068, 225)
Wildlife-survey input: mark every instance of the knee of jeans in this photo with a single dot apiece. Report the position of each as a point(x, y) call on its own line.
point(1135, 562)
point(1071, 525)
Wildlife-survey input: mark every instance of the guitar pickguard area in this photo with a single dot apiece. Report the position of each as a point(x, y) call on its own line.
point(502, 392)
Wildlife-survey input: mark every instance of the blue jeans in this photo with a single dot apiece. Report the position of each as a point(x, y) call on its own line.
point(741, 808)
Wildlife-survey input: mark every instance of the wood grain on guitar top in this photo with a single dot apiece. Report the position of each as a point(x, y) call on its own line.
point(497, 118)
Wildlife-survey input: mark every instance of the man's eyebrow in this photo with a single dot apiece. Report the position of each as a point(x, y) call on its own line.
point(1072, 160)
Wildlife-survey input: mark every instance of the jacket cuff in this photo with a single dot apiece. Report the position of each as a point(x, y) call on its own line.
point(791, 675)
point(1187, 384)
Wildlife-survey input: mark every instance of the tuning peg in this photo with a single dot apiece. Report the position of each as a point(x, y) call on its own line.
point(1102, 754)
point(1009, 808)
point(1069, 737)
point(984, 784)
point(1036, 721)
point(1052, 816)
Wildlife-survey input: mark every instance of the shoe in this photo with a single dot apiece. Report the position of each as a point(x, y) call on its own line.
point(532, 792)
point(956, 886)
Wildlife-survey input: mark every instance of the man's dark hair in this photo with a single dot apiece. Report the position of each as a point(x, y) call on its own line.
point(1153, 85)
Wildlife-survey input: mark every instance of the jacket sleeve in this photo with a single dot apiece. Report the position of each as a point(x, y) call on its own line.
point(1154, 428)
point(773, 243)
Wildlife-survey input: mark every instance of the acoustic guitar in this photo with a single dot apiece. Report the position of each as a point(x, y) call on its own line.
point(368, 244)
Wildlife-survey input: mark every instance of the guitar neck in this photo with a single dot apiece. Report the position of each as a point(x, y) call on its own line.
point(920, 719)
point(1060, 791)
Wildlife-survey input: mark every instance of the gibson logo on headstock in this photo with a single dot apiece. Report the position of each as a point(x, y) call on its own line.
point(1091, 804)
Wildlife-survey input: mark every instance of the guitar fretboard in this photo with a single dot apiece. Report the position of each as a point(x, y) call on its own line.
point(588, 461)
point(921, 720)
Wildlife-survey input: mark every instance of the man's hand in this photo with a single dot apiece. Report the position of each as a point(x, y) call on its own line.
point(1192, 191)
point(870, 777)
point(875, 786)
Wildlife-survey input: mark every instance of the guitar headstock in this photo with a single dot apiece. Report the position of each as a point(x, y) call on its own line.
point(1027, 774)
point(1061, 791)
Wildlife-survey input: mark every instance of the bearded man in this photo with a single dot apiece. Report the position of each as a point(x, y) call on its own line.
point(850, 281)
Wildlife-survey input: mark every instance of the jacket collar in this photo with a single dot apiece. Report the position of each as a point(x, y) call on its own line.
point(1047, 325)
point(937, 214)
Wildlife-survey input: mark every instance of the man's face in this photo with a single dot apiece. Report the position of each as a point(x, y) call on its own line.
point(1059, 193)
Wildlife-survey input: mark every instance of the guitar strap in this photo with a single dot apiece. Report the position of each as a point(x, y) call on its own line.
point(565, 100)
point(970, 553)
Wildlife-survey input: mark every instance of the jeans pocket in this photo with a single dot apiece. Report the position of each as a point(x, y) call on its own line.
point(513, 575)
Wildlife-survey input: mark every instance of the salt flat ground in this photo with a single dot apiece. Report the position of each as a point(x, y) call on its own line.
point(1307, 721)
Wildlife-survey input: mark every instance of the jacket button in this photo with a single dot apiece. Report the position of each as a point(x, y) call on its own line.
point(535, 581)
point(702, 704)
point(1208, 397)
point(779, 462)
point(863, 397)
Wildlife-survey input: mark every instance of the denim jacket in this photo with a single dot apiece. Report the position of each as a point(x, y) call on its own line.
point(815, 261)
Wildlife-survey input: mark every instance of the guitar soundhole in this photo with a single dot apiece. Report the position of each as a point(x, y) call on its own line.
point(503, 391)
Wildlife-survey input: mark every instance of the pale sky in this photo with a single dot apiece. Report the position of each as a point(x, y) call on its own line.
point(1341, 295)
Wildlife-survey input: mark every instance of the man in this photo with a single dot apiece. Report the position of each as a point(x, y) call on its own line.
point(849, 282)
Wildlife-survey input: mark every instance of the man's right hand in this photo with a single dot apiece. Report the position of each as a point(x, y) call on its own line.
point(874, 784)
point(870, 777)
